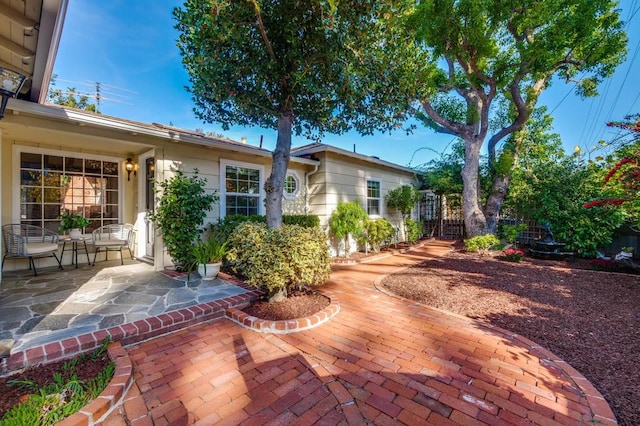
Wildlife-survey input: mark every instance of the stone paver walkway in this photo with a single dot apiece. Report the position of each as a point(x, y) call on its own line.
point(381, 360)
point(57, 305)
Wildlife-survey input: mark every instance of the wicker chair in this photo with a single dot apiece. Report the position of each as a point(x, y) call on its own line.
point(21, 240)
point(113, 237)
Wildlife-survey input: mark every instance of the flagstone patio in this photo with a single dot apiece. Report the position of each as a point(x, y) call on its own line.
point(56, 305)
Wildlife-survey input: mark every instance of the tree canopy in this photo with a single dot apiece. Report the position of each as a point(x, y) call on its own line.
point(69, 98)
point(506, 52)
point(306, 67)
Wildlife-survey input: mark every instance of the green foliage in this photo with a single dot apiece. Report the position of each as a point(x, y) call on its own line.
point(347, 219)
point(412, 230)
point(70, 220)
point(62, 397)
point(376, 232)
point(69, 97)
point(443, 175)
point(212, 250)
point(279, 259)
point(306, 221)
point(180, 213)
point(226, 226)
point(509, 233)
point(488, 55)
point(481, 243)
point(303, 67)
point(554, 188)
point(403, 198)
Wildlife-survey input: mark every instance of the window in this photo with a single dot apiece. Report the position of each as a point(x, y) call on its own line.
point(291, 185)
point(241, 189)
point(51, 183)
point(373, 198)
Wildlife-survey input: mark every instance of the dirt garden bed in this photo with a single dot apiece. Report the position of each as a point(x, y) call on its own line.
point(589, 318)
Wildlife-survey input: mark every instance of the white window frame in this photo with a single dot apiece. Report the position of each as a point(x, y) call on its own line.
point(223, 187)
point(367, 198)
point(292, 196)
point(19, 149)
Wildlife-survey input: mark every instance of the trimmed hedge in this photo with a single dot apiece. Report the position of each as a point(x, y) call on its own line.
point(281, 259)
point(226, 226)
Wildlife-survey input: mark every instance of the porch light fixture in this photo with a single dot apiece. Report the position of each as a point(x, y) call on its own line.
point(10, 84)
point(130, 166)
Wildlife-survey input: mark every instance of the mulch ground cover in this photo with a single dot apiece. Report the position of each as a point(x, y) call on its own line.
point(43, 375)
point(591, 319)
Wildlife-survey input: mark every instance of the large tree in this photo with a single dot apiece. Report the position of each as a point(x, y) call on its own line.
point(497, 51)
point(303, 66)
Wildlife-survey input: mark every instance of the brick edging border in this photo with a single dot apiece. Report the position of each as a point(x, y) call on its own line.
point(128, 333)
point(286, 326)
point(112, 396)
point(599, 406)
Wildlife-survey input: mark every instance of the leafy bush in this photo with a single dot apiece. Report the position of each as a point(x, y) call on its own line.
point(481, 243)
point(513, 255)
point(180, 213)
point(412, 229)
point(304, 220)
point(226, 226)
point(509, 233)
point(376, 232)
point(347, 219)
point(279, 259)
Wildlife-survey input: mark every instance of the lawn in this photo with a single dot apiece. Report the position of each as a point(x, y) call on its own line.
point(589, 318)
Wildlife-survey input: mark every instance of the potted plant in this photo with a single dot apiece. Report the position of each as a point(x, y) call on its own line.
point(208, 256)
point(72, 222)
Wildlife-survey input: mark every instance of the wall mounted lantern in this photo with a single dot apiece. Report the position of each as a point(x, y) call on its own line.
point(10, 84)
point(130, 166)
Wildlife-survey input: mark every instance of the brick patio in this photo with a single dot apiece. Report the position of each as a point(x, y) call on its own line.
point(380, 360)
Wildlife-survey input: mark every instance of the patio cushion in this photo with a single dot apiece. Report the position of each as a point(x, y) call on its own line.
point(39, 248)
point(111, 242)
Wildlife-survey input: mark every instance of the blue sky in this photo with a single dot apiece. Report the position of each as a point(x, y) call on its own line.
point(129, 47)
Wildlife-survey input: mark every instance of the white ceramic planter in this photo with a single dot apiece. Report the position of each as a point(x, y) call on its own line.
point(75, 234)
point(210, 272)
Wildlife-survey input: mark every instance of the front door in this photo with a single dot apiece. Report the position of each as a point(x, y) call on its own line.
point(149, 194)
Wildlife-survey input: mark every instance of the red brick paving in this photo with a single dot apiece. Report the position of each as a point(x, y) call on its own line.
point(381, 360)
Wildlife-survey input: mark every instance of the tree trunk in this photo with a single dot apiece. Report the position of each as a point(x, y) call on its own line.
point(494, 202)
point(275, 183)
point(474, 220)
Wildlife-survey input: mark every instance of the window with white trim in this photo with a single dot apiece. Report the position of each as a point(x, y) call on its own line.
point(241, 189)
point(373, 198)
point(52, 183)
point(291, 186)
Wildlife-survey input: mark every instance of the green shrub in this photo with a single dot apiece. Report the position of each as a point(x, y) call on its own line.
point(347, 219)
point(412, 229)
point(509, 233)
point(180, 213)
point(279, 259)
point(226, 226)
point(306, 221)
point(376, 232)
point(481, 243)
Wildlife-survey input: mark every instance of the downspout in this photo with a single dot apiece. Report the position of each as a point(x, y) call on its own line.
point(306, 188)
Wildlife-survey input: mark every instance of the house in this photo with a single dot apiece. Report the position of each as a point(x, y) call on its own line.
point(54, 158)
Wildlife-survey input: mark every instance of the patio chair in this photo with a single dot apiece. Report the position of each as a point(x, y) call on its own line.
point(21, 240)
point(113, 237)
